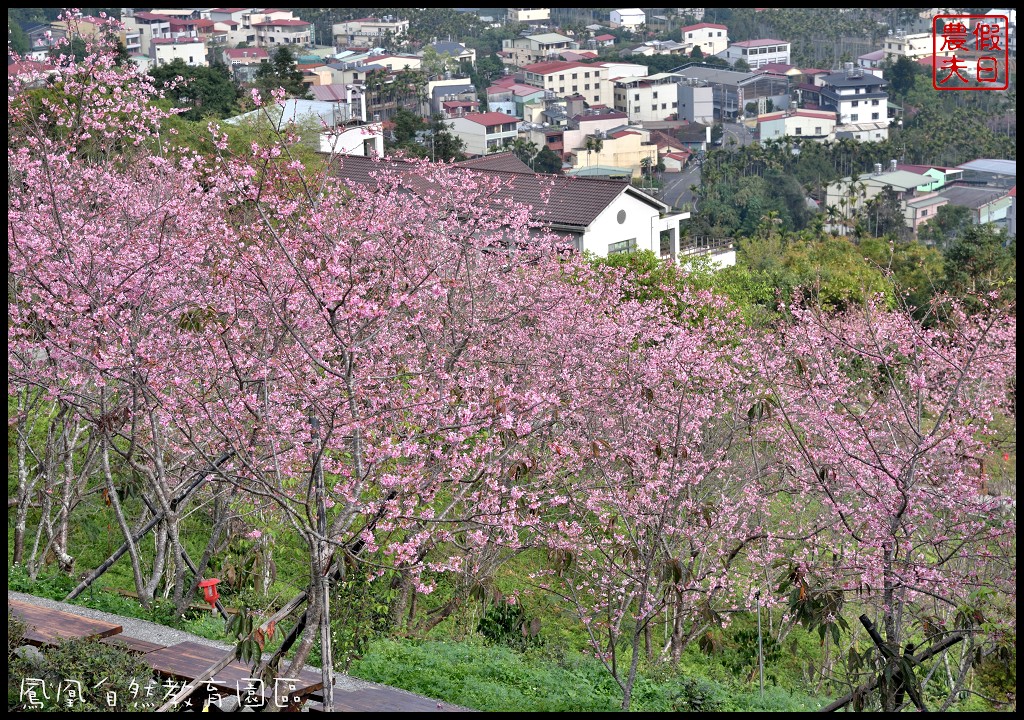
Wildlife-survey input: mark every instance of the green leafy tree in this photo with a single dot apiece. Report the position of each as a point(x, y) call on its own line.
point(946, 227)
point(205, 91)
point(436, 64)
point(523, 149)
point(445, 145)
point(981, 261)
point(917, 270)
point(697, 53)
point(547, 161)
point(281, 72)
point(741, 65)
point(884, 216)
point(407, 124)
point(902, 75)
point(17, 40)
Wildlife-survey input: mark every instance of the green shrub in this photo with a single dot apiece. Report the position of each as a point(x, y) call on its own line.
point(507, 624)
point(81, 676)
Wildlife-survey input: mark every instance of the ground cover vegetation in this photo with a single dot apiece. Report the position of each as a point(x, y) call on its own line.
point(420, 440)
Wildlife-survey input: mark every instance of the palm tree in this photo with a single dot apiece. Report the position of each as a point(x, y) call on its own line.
point(593, 144)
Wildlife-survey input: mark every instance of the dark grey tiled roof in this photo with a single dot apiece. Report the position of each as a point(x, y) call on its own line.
point(555, 199)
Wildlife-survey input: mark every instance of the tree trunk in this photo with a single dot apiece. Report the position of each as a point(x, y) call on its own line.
point(133, 550)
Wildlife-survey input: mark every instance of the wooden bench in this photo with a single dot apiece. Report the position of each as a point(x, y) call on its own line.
point(45, 626)
point(189, 660)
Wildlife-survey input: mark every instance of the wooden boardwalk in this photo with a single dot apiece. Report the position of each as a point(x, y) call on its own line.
point(380, 699)
point(188, 660)
point(45, 626)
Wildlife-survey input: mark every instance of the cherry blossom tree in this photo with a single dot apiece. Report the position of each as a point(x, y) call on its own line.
point(883, 426)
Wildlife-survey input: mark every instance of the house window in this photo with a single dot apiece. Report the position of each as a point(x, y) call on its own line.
point(674, 105)
point(856, 103)
point(874, 102)
point(586, 75)
point(597, 98)
point(654, 107)
point(854, 118)
point(663, 106)
point(625, 246)
point(799, 131)
point(655, 96)
point(636, 97)
point(874, 116)
point(575, 88)
point(924, 212)
point(817, 130)
point(561, 90)
point(574, 76)
point(561, 77)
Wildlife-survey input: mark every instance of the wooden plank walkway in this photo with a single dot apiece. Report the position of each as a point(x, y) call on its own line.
point(49, 627)
point(184, 661)
point(187, 661)
point(132, 644)
point(379, 699)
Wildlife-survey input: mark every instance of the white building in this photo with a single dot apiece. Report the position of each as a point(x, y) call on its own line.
point(695, 102)
point(860, 102)
point(711, 38)
point(369, 31)
point(647, 98)
point(234, 57)
point(589, 81)
point(629, 18)
point(282, 31)
point(142, 27)
point(529, 49)
point(599, 216)
point(815, 124)
point(529, 15)
point(617, 70)
point(914, 46)
point(758, 52)
point(362, 140)
point(163, 51)
point(485, 132)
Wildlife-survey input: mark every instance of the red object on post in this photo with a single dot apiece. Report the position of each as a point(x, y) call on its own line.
point(210, 593)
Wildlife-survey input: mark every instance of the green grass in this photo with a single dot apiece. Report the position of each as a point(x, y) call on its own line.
point(493, 678)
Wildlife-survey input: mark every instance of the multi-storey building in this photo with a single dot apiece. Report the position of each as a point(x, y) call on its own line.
point(651, 97)
point(530, 49)
point(369, 31)
point(191, 50)
point(485, 132)
point(758, 52)
point(711, 38)
point(814, 124)
point(628, 18)
point(143, 27)
point(860, 102)
point(590, 81)
point(282, 31)
point(529, 15)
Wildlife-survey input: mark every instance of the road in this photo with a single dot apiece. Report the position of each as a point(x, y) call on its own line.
point(676, 190)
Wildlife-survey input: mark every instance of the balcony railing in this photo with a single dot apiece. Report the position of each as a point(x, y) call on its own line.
point(704, 245)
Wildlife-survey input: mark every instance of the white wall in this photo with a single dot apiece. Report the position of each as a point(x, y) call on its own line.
point(642, 221)
point(352, 141)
